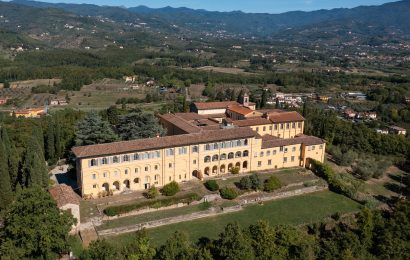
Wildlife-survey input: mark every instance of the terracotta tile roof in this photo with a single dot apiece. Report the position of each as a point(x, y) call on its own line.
point(281, 117)
point(64, 195)
point(190, 116)
point(162, 142)
point(214, 105)
point(252, 122)
point(180, 123)
point(240, 110)
point(303, 139)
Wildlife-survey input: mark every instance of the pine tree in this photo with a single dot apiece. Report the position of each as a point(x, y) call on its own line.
point(6, 194)
point(93, 130)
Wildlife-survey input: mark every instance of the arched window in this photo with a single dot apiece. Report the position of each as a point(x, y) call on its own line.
point(116, 159)
point(215, 158)
point(126, 158)
point(207, 159)
point(262, 154)
point(223, 156)
point(231, 156)
point(93, 162)
point(246, 153)
point(238, 154)
point(104, 160)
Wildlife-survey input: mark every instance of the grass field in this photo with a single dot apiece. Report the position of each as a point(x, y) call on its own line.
point(292, 211)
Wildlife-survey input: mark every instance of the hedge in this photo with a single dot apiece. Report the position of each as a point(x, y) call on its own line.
point(122, 209)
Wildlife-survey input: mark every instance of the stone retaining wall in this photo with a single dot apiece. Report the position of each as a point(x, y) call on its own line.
point(252, 199)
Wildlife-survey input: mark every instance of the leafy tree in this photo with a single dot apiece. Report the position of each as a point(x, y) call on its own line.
point(93, 130)
point(263, 239)
point(233, 243)
point(176, 247)
point(139, 125)
point(139, 247)
point(34, 227)
point(102, 250)
point(6, 194)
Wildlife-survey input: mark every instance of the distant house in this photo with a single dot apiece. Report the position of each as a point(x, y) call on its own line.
point(349, 113)
point(130, 79)
point(3, 101)
point(382, 131)
point(67, 200)
point(31, 112)
point(323, 98)
point(397, 130)
point(58, 102)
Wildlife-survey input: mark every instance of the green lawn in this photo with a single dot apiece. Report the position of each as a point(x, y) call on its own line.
point(293, 211)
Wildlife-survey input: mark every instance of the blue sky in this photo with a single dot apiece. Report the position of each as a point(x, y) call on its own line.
point(268, 6)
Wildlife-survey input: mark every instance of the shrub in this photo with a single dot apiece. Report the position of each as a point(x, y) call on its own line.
point(235, 170)
point(211, 185)
point(272, 184)
point(256, 182)
point(245, 183)
point(228, 193)
point(152, 193)
point(170, 189)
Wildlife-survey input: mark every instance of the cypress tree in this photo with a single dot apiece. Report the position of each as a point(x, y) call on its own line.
point(6, 195)
point(57, 138)
point(12, 157)
point(50, 144)
point(34, 170)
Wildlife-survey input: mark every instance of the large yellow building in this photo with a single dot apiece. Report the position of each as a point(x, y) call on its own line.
point(197, 146)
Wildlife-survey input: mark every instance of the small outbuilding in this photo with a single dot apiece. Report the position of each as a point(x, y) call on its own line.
point(67, 200)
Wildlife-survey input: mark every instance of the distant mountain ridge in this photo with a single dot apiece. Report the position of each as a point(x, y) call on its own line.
point(387, 18)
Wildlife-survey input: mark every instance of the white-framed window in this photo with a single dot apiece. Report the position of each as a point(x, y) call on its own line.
point(126, 172)
point(115, 159)
point(146, 168)
point(195, 149)
point(126, 158)
point(94, 186)
point(292, 159)
point(105, 174)
point(170, 165)
point(259, 163)
point(262, 154)
point(194, 162)
point(285, 159)
point(94, 176)
point(183, 150)
point(104, 160)
point(136, 170)
point(294, 149)
point(285, 150)
point(268, 153)
point(269, 162)
point(170, 152)
point(93, 162)
point(281, 149)
point(273, 152)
